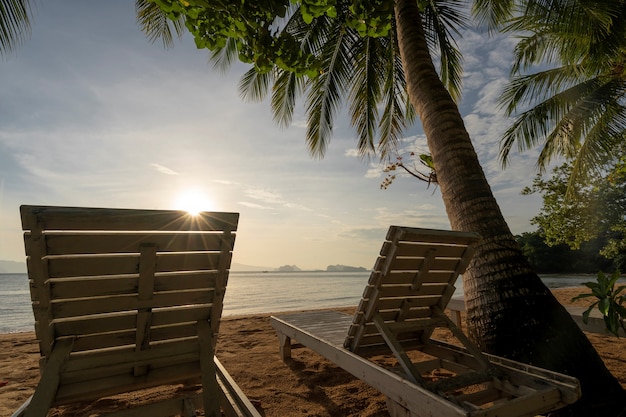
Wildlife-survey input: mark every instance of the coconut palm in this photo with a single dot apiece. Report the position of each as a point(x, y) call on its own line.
point(510, 311)
point(574, 107)
point(156, 24)
point(14, 24)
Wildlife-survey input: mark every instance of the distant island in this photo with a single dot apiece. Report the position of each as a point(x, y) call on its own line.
point(288, 268)
point(329, 268)
point(345, 268)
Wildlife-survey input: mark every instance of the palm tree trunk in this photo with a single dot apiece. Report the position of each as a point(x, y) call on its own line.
point(511, 313)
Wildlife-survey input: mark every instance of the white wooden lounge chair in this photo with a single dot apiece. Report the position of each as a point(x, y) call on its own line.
point(402, 304)
point(129, 299)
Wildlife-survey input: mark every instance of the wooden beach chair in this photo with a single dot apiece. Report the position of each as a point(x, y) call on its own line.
point(402, 304)
point(129, 299)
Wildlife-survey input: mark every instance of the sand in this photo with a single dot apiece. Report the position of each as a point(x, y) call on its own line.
point(248, 347)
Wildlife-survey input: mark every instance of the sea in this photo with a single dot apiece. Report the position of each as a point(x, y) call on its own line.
point(249, 293)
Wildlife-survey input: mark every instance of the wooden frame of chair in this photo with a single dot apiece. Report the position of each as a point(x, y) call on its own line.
point(129, 299)
point(403, 303)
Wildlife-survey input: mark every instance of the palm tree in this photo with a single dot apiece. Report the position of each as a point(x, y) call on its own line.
point(510, 311)
point(577, 104)
point(14, 24)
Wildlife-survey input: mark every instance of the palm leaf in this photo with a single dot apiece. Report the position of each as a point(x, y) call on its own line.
point(155, 23)
point(14, 24)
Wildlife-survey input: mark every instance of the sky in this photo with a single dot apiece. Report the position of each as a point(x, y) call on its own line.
point(94, 115)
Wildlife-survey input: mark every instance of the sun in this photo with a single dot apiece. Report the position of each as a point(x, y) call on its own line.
point(193, 201)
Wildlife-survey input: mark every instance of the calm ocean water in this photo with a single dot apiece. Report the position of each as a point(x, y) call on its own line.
point(248, 293)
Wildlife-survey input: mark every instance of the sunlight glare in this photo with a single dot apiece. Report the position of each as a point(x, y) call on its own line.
point(193, 201)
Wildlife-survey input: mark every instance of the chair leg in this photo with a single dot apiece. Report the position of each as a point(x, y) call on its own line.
point(210, 388)
point(189, 408)
point(284, 346)
point(48, 384)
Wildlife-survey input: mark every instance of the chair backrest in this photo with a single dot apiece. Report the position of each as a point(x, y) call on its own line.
point(130, 288)
point(415, 272)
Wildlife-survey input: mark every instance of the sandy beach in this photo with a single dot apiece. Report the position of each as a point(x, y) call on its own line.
point(248, 347)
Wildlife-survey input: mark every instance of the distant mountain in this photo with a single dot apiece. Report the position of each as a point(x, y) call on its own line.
point(235, 267)
point(288, 268)
point(12, 267)
point(345, 268)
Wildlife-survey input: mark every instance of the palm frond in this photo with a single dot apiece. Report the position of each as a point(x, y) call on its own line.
point(605, 135)
point(326, 90)
point(442, 22)
point(366, 91)
point(155, 23)
point(223, 58)
point(255, 85)
point(524, 90)
point(493, 13)
point(536, 124)
point(288, 87)
point(14, 24)
point(397, 112)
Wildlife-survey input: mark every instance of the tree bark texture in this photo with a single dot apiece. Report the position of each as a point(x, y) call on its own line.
point(511, 312)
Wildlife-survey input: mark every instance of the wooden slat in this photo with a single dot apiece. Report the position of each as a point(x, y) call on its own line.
point(406, 277)
point(128, 284)
point(77, 218)
point(414, 302)
point(128, 337)
point(87, 375)
point(80, 266)
point(113, 322)
point(68, 393)
point(92, 243)
point(415, 234)
point(391, 291)
point(126, 355)
point(100, 305)
point(420, 249)
point(414, 264)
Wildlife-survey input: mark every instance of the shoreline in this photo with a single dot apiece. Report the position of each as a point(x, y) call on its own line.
point(248, 348)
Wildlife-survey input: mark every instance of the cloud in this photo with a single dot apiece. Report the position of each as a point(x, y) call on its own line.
point(253, 205)
point(425, 215)
point(352, 153)
point(374, 171)
point(376, 234)
point(264, 195)
point(225, 182)
point(163, 169)
point(297, 207)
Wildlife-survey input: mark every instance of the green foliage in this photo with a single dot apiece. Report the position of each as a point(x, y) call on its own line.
point(251, 25)
point(596, 212)
point(255, 27)
point(560, 258)
point(610, 302)
point(572, 106)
